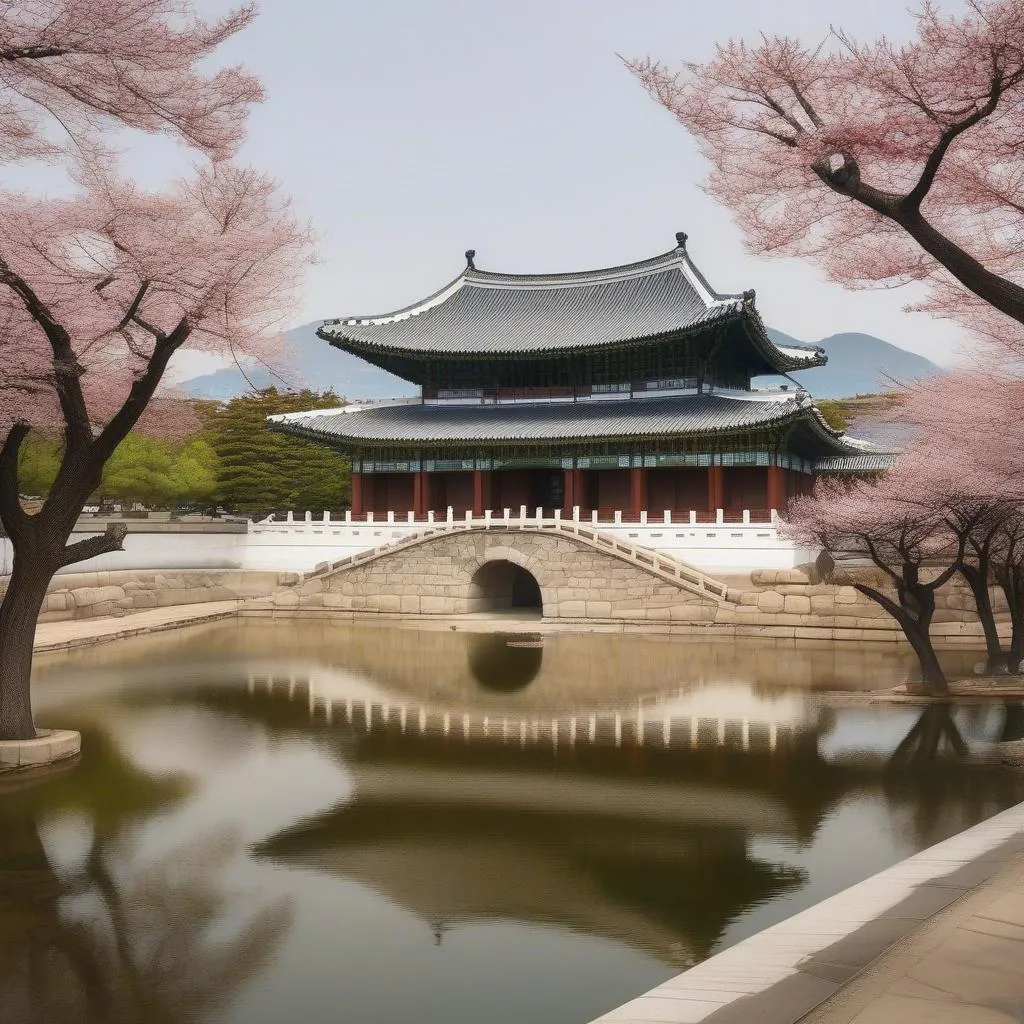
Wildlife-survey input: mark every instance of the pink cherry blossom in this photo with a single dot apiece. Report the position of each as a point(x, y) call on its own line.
point(883, 163)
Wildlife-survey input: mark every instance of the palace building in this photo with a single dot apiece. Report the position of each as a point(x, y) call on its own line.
point(624, 392)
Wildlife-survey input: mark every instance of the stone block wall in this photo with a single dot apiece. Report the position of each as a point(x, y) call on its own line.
point(581, 583)
point(105, 594)
point(577, 581)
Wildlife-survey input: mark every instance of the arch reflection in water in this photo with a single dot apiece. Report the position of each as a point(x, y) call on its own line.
point(502, 585)
point(504, 662)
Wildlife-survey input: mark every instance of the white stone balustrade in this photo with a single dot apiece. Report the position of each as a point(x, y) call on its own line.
point(300, 545)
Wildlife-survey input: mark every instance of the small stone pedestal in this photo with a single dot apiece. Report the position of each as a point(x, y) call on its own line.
point(50, 745)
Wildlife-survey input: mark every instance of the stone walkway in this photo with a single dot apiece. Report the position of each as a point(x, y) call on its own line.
point(964, 966)
point(60, 636)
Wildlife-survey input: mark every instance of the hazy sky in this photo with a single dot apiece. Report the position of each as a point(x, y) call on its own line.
point(411, 130)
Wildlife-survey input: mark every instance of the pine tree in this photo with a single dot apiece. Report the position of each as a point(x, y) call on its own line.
point(261, 471)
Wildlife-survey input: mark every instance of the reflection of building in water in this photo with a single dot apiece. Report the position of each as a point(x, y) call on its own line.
point(463, 816)
point(621, 836)
point(710, 716)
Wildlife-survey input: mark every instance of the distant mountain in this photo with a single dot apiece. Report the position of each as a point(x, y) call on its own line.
point(319, 366)
point(856, 364)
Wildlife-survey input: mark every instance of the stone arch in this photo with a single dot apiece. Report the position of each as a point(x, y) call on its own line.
point(500, 584)
point(579, 577)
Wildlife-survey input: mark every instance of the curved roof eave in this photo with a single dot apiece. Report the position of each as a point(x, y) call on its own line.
point(716, 307)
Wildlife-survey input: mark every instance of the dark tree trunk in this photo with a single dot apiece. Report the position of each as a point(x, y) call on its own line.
point(932, 676)
point(1011, 579)
point(41, 547)
point(19, 613)
point(1005, 295)
point(977, 580)
point(914, 614)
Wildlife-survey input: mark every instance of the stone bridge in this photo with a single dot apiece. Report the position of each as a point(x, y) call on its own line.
point(562, 570)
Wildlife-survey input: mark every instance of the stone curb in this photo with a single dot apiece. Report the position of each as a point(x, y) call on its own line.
point(50, 745)
point(783, 972)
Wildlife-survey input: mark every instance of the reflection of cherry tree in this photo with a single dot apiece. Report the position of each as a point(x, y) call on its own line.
point(112, 940)
point(931, 795)
point(935, 729)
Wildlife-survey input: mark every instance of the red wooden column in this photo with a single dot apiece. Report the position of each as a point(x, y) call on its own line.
point(572, 491)
point(420, 494)
point(357, 495)
point(716, 488)
point(777, 488)
point(481, 492)
point(637, 491)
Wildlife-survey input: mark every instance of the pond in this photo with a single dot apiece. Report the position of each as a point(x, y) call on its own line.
point(322, 822)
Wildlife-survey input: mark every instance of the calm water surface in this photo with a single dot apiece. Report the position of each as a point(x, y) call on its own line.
point(308, 822)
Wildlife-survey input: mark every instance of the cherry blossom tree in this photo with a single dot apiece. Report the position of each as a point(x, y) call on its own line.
point(952, 504)
point(884, 163)
point(869, 521)
point(71, 68)
point(99, 291)
point(979, 415)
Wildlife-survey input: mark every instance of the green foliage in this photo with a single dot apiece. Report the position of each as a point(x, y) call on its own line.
point(263, 471)
point(234, 461)
point(159, 472)
point(38, 464)
point(833, 412)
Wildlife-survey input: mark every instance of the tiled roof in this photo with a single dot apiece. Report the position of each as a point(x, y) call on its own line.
point(485, 314)
point(876, 462)
point(591, 420)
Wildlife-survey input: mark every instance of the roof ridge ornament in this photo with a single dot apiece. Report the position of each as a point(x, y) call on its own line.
point(681, 237)
point(470, 259)
point(749, 296)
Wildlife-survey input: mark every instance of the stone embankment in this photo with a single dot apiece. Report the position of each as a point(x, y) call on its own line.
point(459, 573)
point(114, 594)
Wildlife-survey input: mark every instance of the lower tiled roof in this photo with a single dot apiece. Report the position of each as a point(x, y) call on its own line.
point(590, 420)
point(874, 462)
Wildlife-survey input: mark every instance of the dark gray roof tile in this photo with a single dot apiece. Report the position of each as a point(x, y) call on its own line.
point(590, 420)
point(486, 314)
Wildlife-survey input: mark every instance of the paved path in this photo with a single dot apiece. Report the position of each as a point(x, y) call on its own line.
point(964, 966)
point(59, 636)
point(938, 937)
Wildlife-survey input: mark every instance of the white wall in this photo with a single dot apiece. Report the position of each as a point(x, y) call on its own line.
point(165, 550)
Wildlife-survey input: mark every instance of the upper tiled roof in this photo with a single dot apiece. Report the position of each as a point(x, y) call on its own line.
point(594, 420)
point(485, 314)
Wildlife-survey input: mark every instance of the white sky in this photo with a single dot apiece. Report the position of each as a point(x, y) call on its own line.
point(408, 131)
